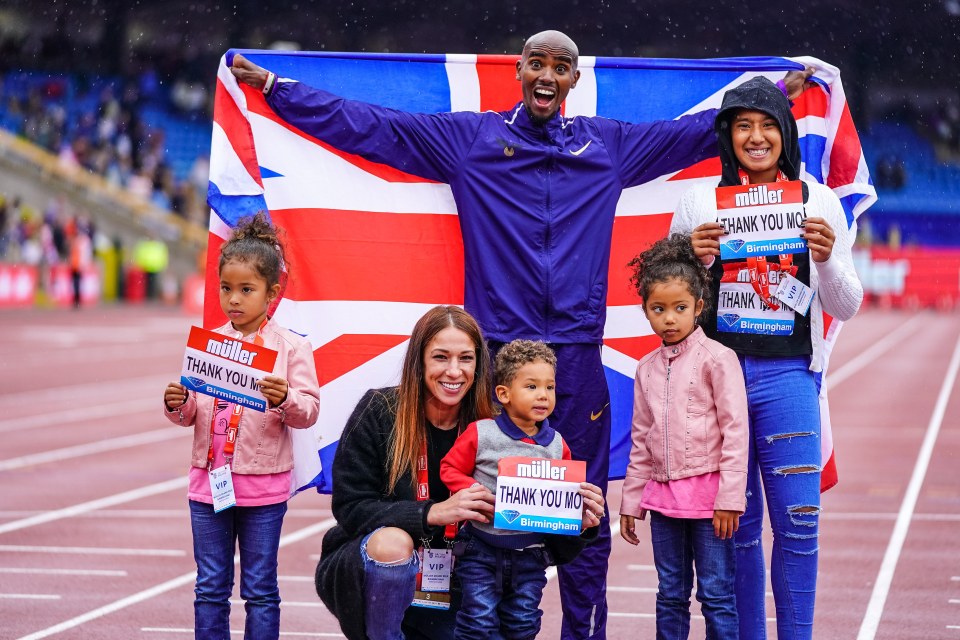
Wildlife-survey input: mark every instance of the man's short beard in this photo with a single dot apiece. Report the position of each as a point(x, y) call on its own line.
point(537, 120)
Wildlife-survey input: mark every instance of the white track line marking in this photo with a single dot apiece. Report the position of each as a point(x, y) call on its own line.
point(101, 551)
point(875, 350)
point(64, 572)
point(80, 450)
point(288, 634)
point(164, 514)
point(284, 603)
point(95, 551)
point(84, 391)
point(69, 416)
point(871, 619)
point(109, 501)
point(163, 587)
point(28, 596)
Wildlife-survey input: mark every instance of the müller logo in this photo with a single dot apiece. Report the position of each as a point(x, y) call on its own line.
point(759, 195)
point(231, 350)
point(541, 469)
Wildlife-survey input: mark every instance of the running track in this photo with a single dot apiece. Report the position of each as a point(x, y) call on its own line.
point(95, 537)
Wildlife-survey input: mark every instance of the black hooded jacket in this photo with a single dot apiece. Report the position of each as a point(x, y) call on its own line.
point(757, 94)
point(760, 94)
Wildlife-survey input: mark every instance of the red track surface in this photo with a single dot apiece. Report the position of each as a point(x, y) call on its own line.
point(95, 537)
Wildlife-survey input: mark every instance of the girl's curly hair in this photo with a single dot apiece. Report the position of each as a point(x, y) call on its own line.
point(256, 241)
point(668, 259)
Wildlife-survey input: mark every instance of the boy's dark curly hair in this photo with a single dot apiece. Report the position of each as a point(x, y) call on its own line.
point(517, 353)
point(256, 242)
point(668, 259)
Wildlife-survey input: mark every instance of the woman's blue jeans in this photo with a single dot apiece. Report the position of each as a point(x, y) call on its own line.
point(678, 544)
point(785, 456)
point(388, 589)
point(215, 538)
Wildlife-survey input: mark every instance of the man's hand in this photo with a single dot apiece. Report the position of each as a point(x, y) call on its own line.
point(248, 73)
point(796, 81)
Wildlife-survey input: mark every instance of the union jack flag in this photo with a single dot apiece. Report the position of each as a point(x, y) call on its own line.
point(371, 248)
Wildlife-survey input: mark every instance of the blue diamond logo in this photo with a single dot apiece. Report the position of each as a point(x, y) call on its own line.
point(196, 382)
point(735, 245)
point(510, 515)
point(731, 319)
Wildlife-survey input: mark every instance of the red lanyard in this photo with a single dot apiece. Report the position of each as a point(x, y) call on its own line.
point(234, 427)
point(759, 268)
point(423, 491)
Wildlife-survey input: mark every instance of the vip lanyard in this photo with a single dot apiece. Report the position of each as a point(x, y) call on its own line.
point(423, 493)
point(759, 268)
point(234, 426)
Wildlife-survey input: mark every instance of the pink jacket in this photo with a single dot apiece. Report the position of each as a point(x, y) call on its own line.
point(689, 418)
point(263, 444)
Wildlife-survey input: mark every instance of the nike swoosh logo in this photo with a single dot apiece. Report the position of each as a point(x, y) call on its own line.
point(594, 416)
point(576, 153)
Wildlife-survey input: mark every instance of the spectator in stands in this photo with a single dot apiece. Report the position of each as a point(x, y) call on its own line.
point(891, 172)
point(4, 222)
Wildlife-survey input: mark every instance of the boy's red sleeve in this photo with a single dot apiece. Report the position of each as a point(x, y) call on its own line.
point(566, 455)
point(456, 468)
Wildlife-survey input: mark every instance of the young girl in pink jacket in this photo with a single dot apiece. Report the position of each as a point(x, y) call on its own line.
point(251, 449)
point(688, 461)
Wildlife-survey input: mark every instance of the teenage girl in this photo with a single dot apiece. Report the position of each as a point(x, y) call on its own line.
point(260, 459)
point(758, 143)
point(688, 461)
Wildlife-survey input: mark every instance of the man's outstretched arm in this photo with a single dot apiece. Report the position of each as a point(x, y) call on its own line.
point(431, 146)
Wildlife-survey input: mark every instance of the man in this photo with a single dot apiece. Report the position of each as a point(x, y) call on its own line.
point(536, 195)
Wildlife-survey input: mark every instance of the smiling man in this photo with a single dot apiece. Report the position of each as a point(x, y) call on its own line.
point(536, 194)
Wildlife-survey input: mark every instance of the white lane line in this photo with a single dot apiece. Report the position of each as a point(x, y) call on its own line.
point(28, 596)
point(84, 391)
point(165, 514)
point(63, 572)
point(163, 587)
point(239, 632)
point(611, 589)
point(100, 354)
point(69, 416)
point(875, 350)
point(109, 501)
point(651, 616)
point(881, 588)
point(110, 444)
point(283, 603)
point(94, 551)
point(953, 601)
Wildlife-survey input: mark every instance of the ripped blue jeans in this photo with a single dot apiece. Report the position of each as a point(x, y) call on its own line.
point(785, 456)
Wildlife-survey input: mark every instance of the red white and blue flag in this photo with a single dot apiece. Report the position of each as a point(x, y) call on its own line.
point(371, 248)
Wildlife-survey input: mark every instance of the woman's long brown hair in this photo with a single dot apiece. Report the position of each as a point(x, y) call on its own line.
point(409, 431)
